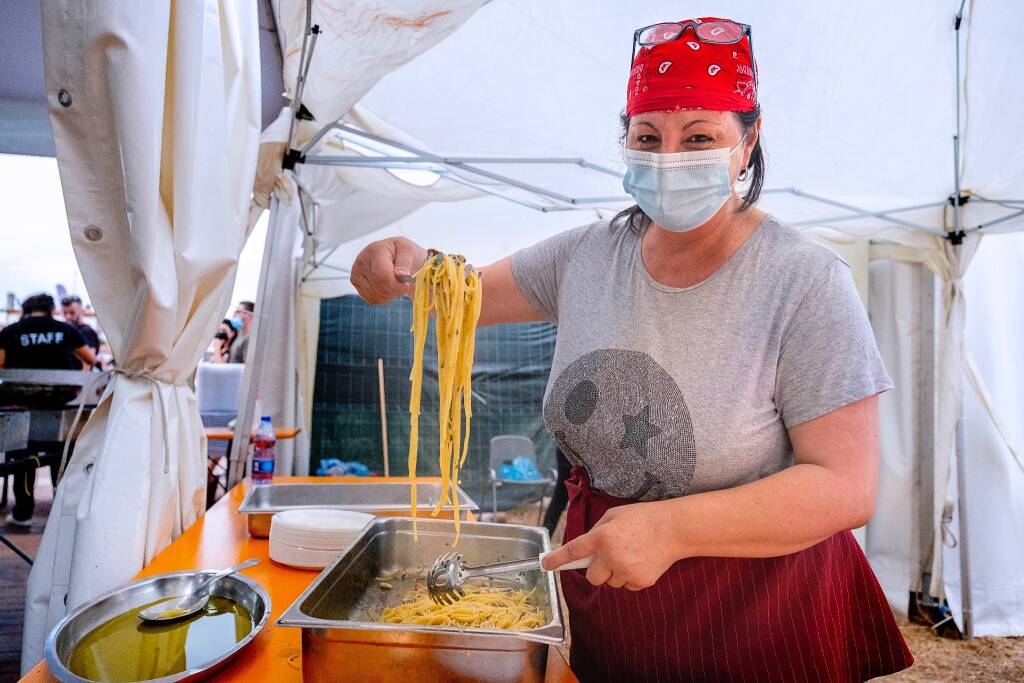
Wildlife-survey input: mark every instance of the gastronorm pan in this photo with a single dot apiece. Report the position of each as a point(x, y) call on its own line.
point(377, 498)
point(341, 642)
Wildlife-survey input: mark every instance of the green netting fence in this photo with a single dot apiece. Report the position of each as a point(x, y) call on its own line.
point(510, 372)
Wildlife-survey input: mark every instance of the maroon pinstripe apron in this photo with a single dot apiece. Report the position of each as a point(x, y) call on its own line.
point(815, 615)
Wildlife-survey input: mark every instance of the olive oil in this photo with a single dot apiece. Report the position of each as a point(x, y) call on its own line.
point(126, 649)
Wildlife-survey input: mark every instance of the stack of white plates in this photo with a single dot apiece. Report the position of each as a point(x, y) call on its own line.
point(312, 539)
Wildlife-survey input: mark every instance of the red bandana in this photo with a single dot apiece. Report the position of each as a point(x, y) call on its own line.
point(689, 74)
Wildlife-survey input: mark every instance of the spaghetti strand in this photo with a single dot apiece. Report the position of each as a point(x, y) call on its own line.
point(452, 289)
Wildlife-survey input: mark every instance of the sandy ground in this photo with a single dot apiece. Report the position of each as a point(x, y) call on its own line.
point(935, 658)
point(945, 659)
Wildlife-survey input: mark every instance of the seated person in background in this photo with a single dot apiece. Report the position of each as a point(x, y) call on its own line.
point(38, 341)
point(243, 314)
point(71, 307)
point(105, 356)
point(227, 333)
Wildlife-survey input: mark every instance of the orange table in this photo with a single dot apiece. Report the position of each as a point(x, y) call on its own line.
point(217, 468)
point(219, 539)
point(226, 434)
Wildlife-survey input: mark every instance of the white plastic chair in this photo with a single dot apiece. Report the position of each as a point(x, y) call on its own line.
point(508, 447)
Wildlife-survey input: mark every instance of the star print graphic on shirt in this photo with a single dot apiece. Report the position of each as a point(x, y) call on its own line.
point(638, 430)
point(627, 415)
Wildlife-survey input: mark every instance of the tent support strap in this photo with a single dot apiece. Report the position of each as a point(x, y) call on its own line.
point(963, 545)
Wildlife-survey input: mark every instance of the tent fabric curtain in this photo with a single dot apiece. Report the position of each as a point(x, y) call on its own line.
point(155, 110)
point(360, 42)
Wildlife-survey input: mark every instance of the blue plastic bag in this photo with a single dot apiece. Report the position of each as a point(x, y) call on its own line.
point(520, 469)
point(332, 467)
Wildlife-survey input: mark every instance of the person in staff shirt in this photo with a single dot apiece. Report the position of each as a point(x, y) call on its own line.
point(38, 341)
point(715, 386)
point(71, 309)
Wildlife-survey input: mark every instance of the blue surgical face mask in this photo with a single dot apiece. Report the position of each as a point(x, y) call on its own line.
point(237, 323)
point(682, 190)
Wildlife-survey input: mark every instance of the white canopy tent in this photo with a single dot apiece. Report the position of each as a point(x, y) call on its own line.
point(521, 104)
point(860, 103)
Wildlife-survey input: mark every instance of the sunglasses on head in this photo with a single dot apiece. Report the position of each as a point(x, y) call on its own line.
point(716, 32)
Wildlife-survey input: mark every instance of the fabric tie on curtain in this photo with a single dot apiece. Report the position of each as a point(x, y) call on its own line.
point(87, 390)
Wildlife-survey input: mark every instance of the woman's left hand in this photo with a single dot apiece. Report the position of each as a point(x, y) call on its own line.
point(634, 545)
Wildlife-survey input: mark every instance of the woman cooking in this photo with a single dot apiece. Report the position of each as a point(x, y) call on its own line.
point(715, 384)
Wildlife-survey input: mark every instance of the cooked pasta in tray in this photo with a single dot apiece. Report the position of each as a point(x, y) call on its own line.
point(451, 288)
point(481, 607)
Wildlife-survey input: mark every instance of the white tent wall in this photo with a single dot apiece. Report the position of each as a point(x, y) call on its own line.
point(892, 541)
point(995, 465)
point(859, 110)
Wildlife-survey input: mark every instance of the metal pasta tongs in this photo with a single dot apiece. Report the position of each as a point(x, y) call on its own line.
point(435, 254)
point(448, 573)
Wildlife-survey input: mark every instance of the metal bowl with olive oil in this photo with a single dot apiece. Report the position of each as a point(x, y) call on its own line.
point(105, 640)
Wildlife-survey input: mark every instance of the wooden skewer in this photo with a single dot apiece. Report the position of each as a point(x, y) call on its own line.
point(383, 416)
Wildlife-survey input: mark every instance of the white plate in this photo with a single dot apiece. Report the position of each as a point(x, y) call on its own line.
point(303, 558)
point(317, 529)
point(321, 521)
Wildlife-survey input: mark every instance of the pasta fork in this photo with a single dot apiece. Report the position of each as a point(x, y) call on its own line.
point(407, 279)
point(448, 573)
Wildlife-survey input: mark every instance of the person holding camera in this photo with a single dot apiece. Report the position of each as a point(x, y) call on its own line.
point(227, 333)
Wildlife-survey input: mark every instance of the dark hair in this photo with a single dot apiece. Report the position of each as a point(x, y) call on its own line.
point(70, 299)
point(37, 303)
point(231, 326)
point(636, 220)
point(247, 305)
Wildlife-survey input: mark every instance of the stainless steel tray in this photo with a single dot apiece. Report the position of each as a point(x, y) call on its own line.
point(70, 630)
point(379, 498)
point(341, 642)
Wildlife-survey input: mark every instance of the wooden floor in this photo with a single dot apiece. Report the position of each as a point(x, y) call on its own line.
point(14, 575)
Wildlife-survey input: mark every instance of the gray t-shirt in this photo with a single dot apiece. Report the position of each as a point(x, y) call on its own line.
point(659, 391)
point(239, 349)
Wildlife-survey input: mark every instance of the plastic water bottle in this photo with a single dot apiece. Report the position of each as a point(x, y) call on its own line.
point(263, 442)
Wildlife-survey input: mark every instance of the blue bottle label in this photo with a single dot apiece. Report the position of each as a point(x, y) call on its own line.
point(263, 466)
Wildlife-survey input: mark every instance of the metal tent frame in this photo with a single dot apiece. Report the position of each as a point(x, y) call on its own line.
point(467, 171)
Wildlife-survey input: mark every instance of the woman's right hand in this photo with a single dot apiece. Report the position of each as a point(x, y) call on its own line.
point(378, 267)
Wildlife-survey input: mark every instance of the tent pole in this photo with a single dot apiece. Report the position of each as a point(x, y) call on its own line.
point(1007, 217)
point(256, 353)
point(849, 207)
point(866, 214)
point(961, 474)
